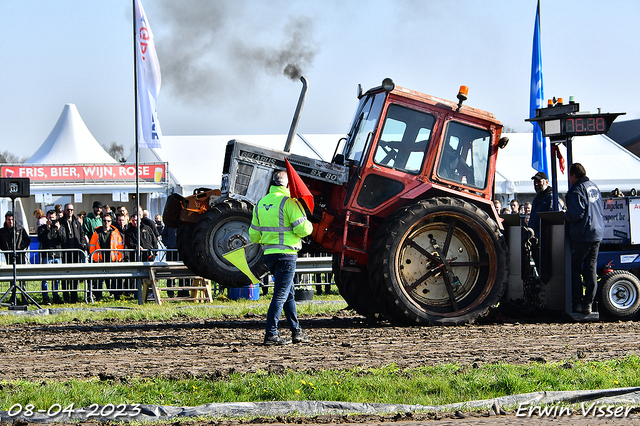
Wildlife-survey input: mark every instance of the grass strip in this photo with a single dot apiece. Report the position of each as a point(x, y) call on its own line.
point(437, 385)
point(129, 309)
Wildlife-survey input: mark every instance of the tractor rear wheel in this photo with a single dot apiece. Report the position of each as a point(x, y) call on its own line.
point(184, 240)
point(224, 228)
point(440, 261)
point(621, 294)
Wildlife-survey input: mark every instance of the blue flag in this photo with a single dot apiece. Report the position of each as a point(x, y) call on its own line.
point(539, 152)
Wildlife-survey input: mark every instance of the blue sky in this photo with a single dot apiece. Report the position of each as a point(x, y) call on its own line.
point(222, 61)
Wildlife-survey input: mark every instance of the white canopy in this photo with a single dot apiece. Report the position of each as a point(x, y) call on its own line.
point(70, 142)
point(608, 164)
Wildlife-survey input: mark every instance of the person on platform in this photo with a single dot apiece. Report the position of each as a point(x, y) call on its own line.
point(278, 224)
point(543, 201)
point(586, 229)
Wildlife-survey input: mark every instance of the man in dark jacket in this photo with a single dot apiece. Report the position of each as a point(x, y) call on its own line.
point(72, 237)
point(586, 229)
point(148, 240)
point(6, 240)
point(543, 201)
point(49, 238)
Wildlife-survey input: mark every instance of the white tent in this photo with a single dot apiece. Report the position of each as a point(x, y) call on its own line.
point(70, 142)
point(608, 164)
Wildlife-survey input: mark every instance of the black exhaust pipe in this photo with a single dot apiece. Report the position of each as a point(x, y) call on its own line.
point(296, 115)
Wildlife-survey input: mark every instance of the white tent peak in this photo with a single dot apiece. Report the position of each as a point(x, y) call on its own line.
point(70, 142)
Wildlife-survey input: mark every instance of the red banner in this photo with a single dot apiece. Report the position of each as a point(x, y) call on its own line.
point(93, 173)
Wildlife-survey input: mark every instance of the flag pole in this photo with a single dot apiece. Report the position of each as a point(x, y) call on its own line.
point(135, 97)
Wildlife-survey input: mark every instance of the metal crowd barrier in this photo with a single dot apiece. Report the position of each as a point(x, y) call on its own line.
point(31, 275)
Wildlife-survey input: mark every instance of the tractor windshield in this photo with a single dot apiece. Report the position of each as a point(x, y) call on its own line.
point(404, 140)
point(465, 155)
point(364, 123)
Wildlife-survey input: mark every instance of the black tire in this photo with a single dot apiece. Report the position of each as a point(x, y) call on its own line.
point(355, 290)
point(621, 294)
point(184, 241)
point(409, 278)
point(224, 228)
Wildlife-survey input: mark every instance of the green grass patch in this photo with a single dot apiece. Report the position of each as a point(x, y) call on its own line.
point(438, 385)
point(129, 309)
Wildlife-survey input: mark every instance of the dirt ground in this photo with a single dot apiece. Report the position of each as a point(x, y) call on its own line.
point(214, 348)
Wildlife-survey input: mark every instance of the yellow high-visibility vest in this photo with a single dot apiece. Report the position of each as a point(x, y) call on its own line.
point(279, 222)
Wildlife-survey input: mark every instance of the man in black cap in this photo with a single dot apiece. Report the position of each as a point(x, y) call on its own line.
point(543, 202)
point(92, 221)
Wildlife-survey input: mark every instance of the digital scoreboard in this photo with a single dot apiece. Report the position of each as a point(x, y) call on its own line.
point(564, 121)
point(576, 125)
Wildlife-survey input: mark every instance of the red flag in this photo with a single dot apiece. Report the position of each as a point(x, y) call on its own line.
point(297, 187)
point(556, 151)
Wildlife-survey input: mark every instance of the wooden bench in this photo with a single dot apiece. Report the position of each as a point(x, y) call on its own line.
point(199, 290)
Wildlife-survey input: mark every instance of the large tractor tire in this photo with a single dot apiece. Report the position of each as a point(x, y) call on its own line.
point(184, 240)
point(224, 228)
point(621, 294)
point(440, 261)
point(355, 290)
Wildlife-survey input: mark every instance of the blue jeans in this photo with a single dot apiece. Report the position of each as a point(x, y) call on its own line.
point(283, 271)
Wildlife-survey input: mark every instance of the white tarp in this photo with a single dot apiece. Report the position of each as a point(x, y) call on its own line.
point(70, 142)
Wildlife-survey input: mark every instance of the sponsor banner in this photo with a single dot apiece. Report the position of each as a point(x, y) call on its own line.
point(93, 173)
point(616, 221)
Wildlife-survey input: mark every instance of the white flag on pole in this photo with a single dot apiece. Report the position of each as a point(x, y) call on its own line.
point(148, 71)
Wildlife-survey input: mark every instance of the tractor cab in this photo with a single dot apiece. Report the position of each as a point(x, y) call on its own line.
point(403, 144)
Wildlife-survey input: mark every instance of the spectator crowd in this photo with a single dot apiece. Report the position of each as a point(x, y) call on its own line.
point(102, 235)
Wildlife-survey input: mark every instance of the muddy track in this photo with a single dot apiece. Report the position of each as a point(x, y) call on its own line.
point(187, 347)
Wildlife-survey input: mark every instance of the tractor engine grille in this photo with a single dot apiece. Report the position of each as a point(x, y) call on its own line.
point(243, 177)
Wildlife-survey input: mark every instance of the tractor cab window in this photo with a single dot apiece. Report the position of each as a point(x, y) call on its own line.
point(363, 126)
point(404, 140)
point(465, 155)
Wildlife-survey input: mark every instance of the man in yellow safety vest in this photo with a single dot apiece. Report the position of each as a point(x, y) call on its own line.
point(279, 222)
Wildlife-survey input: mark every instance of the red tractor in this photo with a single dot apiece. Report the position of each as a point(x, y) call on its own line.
point(405, 208)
